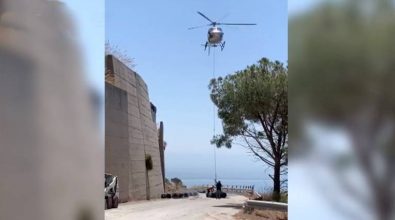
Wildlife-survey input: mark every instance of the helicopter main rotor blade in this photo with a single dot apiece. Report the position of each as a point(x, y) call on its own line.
point(191, 28)
point(225, 16)
point(204, 16)
point(235, 24)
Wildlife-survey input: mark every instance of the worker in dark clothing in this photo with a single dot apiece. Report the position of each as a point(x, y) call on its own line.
point(219, 187)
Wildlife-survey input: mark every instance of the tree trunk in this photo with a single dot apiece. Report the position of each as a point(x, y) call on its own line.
point(276, 182)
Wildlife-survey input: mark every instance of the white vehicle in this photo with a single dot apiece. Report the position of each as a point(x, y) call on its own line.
point(111, 193)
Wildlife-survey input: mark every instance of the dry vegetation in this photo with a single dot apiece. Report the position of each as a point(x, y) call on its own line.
point(267, 196)
point(120, 54)
point(174, 185)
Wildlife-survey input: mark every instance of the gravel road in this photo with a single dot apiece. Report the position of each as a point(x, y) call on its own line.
point(199, 208)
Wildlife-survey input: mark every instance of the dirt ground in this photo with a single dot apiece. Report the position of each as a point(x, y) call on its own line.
point(199, 208)
point(261, 214)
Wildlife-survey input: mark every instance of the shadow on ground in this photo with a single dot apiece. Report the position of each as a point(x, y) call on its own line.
point(230, 205)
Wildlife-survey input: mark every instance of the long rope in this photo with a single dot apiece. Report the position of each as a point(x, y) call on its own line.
point(214, 112)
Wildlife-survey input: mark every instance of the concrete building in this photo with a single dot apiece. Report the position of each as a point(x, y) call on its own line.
point(131, 134)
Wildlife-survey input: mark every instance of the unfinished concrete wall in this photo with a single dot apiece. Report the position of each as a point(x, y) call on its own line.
point(117, 138)
point(143, 138)
point(151, 144)
point(162, 151)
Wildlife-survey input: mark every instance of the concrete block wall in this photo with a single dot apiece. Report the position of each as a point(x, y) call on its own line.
point(151, 142)
point(117, 138)
point(142, 132)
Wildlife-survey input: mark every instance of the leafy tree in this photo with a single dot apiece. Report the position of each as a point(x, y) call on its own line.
point(253, 107)
point(343, 72)
point(176, 181)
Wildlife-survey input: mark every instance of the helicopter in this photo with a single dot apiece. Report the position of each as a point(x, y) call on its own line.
point(215, 34)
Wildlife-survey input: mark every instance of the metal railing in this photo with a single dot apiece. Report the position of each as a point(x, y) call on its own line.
point(237, 189)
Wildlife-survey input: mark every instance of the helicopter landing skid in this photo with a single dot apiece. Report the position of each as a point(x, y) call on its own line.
point(207, 45)
point(222, 46)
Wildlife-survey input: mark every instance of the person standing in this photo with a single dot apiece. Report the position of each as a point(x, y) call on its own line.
point(219, 187)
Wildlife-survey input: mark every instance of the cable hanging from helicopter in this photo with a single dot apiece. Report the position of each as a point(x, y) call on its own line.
point(215, 34)
point(215, 39)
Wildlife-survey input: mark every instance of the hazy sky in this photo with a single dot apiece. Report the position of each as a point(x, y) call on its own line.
point(89, 22)
point(173, 63)
point(295, 6)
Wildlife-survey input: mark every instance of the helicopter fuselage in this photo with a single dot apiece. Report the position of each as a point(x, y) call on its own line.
point(215, 35)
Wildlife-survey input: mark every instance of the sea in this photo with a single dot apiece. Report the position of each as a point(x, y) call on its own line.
point(260, 185)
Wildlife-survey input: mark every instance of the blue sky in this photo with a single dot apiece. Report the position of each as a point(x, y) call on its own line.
point(89, 22)
point(173, 63)
point(297, 6)
point(177, 72)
